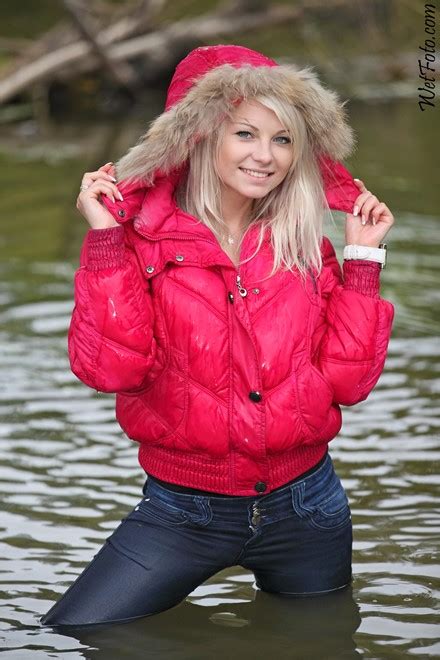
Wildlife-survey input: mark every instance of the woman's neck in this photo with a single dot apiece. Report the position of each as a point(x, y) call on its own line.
point(236, 213)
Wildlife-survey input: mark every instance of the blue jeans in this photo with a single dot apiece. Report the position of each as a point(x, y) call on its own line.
point(297, 540)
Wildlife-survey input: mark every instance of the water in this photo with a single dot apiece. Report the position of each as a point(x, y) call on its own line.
point(68, 475)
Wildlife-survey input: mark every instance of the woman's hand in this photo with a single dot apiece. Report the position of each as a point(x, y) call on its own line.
point(370, 221)
point(88, 202)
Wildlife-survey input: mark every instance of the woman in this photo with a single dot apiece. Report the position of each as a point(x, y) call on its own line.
point(208, 300)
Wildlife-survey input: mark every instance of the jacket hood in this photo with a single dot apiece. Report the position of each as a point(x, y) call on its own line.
point(206, 85)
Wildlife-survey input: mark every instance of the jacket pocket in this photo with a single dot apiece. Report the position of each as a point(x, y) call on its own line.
point(156, 414)
point(314, 397)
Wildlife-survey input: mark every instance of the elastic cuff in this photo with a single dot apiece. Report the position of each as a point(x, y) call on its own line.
point(362, 276)
point(105, 248)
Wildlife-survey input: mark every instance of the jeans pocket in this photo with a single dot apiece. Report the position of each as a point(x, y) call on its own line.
point(170, 508)
point(323, 509)
point(152, 508)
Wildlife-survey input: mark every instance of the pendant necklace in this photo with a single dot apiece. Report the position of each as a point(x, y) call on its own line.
point(231, 239)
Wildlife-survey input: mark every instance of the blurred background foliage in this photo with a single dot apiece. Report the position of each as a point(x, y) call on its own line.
point(54, 131)
point(364, 25)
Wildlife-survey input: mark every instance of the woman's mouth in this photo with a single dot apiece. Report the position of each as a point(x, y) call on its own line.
point(256, 174)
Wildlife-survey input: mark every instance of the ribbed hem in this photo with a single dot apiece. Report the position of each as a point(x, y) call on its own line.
point(105, 248)
point(215, 474)
point(362, 276)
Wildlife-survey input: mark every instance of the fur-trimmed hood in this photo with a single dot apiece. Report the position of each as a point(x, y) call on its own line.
point(208, 82)
point(206, 85)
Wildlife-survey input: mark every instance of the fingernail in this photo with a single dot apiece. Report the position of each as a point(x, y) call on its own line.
point(120, 197)
point(113, 199)
point(356, 179)
point(363, 221)
point(113, 179)
point(356, 210)
point(374, 221)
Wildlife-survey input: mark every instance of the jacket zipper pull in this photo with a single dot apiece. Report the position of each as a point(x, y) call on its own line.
point(242, 291)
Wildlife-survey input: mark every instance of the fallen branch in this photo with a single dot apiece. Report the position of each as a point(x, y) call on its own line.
point(40, 58)
point(159, 49)
point(121, 72)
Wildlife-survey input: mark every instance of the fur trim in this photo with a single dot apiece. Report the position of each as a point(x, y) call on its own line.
point(167, 144)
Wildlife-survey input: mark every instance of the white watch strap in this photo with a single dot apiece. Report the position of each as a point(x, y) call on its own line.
point(365, 252)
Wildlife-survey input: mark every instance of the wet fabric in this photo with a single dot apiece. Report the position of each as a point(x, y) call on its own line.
point(230, 381)
point(297, 541)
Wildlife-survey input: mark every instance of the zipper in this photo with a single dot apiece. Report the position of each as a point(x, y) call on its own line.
point(312, 275)
point(241, 290)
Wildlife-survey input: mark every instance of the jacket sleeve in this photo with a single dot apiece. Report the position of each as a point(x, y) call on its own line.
point(349, 345)
point(110, 340)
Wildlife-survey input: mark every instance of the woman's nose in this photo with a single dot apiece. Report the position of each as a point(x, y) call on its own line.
point(263, 152)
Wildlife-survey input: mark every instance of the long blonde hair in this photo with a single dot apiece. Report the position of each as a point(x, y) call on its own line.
point(294, 210)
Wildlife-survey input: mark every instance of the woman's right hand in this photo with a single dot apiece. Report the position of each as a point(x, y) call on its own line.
point(101, 182)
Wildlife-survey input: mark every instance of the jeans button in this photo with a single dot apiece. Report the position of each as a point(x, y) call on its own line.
point(260, 487)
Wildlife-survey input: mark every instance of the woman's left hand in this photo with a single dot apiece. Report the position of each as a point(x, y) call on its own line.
point(370, 221)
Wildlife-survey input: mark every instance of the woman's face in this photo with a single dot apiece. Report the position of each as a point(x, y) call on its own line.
point(255, 152)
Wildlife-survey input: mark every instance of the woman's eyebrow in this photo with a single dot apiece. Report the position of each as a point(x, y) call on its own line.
point(246, 123)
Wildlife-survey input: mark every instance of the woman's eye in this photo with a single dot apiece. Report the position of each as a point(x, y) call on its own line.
point(283, 138)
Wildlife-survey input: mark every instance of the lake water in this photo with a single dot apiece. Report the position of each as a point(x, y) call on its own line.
point(68, 475)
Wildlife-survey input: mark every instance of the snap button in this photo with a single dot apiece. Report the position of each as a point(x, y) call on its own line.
point(255, 396)
point(150, 269)
point(121, 213)
point(260, 486)
point(255, 290)
point(231, 297)
point(179, 257)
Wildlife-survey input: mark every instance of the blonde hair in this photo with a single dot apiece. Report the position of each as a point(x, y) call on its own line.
point(294, 210)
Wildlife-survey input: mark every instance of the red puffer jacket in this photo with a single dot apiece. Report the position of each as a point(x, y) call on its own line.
point(229, 383)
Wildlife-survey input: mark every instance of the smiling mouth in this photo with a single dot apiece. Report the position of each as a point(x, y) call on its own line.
point(256, 174)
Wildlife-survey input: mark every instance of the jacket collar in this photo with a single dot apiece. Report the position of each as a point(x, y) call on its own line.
point(156, 215)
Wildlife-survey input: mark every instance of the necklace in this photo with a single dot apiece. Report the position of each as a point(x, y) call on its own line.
point(232, 239)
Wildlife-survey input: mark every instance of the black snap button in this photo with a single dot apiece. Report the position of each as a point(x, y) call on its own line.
point(260, 487)
point(255, 396)
point(231, 297)
point(121, 213)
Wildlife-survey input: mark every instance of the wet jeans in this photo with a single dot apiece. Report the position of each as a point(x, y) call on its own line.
point(296, 540)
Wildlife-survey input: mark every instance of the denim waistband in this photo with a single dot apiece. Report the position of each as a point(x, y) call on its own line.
point(273, 506)
point(177, 488)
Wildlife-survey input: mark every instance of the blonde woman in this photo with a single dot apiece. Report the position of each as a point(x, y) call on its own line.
point(209, 301)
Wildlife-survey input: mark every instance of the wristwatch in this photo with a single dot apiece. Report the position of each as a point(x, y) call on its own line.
point(368, 253)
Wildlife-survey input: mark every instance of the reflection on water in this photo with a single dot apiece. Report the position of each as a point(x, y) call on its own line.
point(236, 623)
point(68, 476)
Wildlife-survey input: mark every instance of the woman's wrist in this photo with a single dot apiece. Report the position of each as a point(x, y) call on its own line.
point(105, 226)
